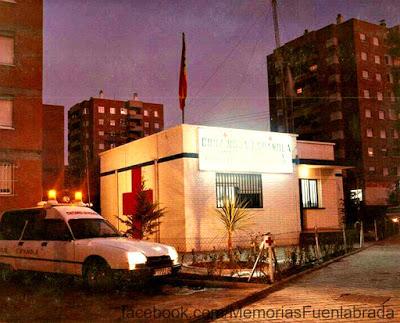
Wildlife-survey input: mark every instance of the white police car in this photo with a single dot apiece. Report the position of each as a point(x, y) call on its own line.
point(75, 240)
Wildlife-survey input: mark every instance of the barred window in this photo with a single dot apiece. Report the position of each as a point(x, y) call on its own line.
point(243, 187)
point(309, 193)
point(6, 178)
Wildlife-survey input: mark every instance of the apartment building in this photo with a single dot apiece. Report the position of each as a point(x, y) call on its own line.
point(99, 124)
point(21, 51)
point(338, 84)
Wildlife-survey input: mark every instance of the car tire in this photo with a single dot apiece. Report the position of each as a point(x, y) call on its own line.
point(97, 275)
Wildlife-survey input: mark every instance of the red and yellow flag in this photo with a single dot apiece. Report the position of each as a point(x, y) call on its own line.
point(183, 77)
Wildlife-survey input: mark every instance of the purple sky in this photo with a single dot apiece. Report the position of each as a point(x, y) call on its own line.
point(126, 46)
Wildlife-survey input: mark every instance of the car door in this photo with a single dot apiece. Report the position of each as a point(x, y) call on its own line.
point(60, 247)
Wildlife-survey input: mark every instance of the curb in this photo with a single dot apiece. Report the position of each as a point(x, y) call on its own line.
point(218, 313)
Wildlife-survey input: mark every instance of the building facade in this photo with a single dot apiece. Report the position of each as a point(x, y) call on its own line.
point(53, 148)
point(21, 56)
point(291, 186)
point(99, 124)
point(339, 84)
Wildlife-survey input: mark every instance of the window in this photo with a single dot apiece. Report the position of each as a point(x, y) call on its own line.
point(6, 50)
point(368, 113)
point(332, 59)
point(101, 133)
point(100, 109)
point(86, 135)
point(242, 187)
point(390, 78)
point(381, 115)
point(392, 97)
point(146, 124)
point(309, 193)
point(370, 152)
point(378, 77)
point(112, 110)
point(56, 230)
point(384, 152)
point(156, 125)
point(146, 113)
point(370, 132)
point(112, 122)
point(388, 60)
point(371, 169)
point(6, 113)
point(379, 96)
point(375, 41)
point(112, 145)
point(101, 122)
point(155, 114)
point(85, 111)
point(101, 146)
point(337, 115)
point(365, 74)
point(362, 37)
point(385, 171)
point(6, 178)
point(124, 111)
point(377, 59)
point(313, 68)
point(395, 134)
point(382, 134)
point(366, 94)
point(299, 90)
point(331, 42)
point(364, 56)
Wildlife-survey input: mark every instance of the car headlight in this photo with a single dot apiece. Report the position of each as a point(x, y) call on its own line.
point(173, 255)
point(136, 258)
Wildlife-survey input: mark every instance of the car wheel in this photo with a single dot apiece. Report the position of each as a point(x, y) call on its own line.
point(97, 275)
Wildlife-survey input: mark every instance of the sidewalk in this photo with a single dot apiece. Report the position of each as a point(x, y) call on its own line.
point(361, 287)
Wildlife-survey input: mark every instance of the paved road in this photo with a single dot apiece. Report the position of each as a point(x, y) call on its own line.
point(363, 287)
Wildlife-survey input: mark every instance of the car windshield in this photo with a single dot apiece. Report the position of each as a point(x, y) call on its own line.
point(92, 228)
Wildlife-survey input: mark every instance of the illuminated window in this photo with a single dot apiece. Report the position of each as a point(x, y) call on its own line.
point(100, 109)
point(395, 134)
point(388, 60)
point(370, 152)
point(381, 115)
point(390, 78)
point(368, 113)
point(6, 178)
point(392, 97)
point(101, 122)
point(370, 132)
point(299, 90)
point(241, 187)
point(356, 195)
point(313, 68)
point(309, 193)
point(384, 152)
point(146, 113)
point(112, 122)
point(85, 111)
point(378, 77)
point(385, 171)
point(366, 94)
point(362, 37)
point(112, 110)
point(377, 59)
point(371, 169)
point(156, 125)
point(101, 146)
point(375, 41)
point(146, 124)
point(124, 111)
point(6, 50)
point(101, 133)
point(365, 74)
point(382, 134)
point(6, 113)
point(155, 114)
point(364, 56)
point(379, 96)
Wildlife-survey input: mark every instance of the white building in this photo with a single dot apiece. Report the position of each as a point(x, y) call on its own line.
point(291, 185)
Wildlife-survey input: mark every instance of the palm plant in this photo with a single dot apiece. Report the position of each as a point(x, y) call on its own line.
point(234, 217)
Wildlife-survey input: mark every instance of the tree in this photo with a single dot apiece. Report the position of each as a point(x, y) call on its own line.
point(234, 217)
point(146, 219)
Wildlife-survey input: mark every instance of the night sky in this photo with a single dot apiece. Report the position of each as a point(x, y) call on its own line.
point(126, 46)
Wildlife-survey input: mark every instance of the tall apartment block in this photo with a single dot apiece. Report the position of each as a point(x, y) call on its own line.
point(338, 84)
point(21, 51)
point(99, 124)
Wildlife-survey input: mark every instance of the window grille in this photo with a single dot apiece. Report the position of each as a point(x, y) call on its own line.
point(309, 193)
point(241, 187)
point(6, 178)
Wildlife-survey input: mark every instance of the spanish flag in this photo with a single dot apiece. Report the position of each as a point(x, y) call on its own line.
point(183, 79)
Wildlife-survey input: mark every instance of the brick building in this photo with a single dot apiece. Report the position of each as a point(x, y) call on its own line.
point(291, 186)
point(53, 147)
point(99, 124)
point(21, 51)
point(339, 85)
